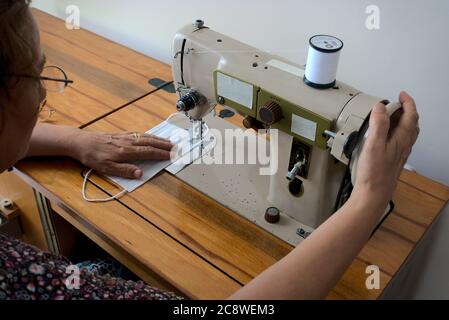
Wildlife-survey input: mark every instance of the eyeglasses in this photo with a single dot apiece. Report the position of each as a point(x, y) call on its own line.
point(53, 79)
point(45, 112)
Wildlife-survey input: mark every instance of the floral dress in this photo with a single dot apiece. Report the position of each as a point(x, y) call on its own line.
point(27, 273)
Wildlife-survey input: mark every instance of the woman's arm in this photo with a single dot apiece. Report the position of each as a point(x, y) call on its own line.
point(106, 153)
point(312, 269)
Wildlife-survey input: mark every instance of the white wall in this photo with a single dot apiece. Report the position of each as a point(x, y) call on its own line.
point(410, 50)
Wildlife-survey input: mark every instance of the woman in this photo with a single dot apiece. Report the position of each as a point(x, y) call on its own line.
point(309, 272)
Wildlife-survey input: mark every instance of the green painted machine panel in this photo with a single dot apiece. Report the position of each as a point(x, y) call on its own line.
point(233, 104)
point(302, 117)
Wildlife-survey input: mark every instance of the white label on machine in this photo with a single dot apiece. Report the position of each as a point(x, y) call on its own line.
point(304, 127)
point(235, 90)
point(286, 67)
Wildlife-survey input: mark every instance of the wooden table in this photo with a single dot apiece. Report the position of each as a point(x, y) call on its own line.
point(174, 237)
point(106, 75)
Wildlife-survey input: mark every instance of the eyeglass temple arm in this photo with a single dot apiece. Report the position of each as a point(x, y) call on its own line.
point(67, 81)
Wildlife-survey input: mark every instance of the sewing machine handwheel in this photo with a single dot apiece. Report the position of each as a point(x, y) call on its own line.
point(350, 144)
point(395, 111)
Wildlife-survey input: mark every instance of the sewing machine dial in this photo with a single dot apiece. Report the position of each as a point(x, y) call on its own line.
point(271, 113)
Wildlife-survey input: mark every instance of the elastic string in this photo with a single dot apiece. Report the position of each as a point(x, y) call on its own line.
point(86, 177)
point(83, 191)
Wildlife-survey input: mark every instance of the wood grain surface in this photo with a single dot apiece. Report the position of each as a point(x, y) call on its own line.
point(106, 75)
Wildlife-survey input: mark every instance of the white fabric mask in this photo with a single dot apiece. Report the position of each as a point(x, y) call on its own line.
point(178, 136)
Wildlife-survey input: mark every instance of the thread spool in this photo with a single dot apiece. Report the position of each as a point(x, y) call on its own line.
point(322, 61)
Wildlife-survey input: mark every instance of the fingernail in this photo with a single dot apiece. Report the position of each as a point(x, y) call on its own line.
point(379, 108)
point(174, 153)
point(138, 173)
point(166, 139)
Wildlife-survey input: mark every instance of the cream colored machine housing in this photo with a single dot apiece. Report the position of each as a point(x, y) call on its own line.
point(221, 70)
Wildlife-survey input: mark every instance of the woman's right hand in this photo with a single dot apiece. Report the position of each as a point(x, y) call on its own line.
point(385, 153)
point(114, 154)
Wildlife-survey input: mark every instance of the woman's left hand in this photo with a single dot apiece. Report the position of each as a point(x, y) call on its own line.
point(113, 154)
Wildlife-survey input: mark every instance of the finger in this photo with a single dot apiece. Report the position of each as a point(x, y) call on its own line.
point(136, 153)
point(151, 153)
point(153, 142)
point(153, 136)
point(138, 135)
point(404, 97)
point(379, 124)
point(417, 133)
point(133, 136)
point(124, 170)
point(410, 118)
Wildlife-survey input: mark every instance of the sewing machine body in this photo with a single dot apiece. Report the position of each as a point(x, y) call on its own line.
point(225, 71)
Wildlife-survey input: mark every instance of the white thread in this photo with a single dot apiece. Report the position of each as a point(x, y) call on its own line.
point(322, 60)
point(206, 132)
point(174, 115)
point(83, 191)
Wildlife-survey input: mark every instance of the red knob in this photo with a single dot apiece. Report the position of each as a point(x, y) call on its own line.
point(272, 215)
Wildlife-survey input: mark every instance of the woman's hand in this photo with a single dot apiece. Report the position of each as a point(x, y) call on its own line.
point(385, 152)
point(113, 154)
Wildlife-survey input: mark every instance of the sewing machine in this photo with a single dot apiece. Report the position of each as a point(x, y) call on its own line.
point(318, 132)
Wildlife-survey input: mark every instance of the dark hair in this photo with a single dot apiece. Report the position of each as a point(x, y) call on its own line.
point(16, 51)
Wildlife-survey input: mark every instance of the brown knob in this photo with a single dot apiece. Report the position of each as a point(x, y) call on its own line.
point(270, 113)
point(252, 123)
point(272, 215)
point(249, 122)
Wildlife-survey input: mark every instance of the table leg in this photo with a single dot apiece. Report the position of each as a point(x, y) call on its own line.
point(44, 208)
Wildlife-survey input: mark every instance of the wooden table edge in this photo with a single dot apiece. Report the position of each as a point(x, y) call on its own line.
point(94, 233)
